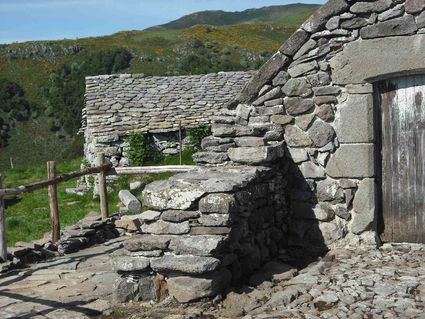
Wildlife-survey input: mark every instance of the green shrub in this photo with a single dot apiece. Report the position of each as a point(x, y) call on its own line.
point(196, 135)
point(142, 150)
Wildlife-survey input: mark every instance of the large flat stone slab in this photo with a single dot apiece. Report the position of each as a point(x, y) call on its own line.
point(352, 161)
point(359, 63)
point(355, 119)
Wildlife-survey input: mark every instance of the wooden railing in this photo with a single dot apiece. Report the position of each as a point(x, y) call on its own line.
point(102, 169)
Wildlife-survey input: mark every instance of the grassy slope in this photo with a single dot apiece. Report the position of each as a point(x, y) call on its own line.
point(285, 14)
point(27, 215)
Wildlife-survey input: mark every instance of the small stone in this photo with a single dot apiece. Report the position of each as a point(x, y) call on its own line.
point(127, 263)
point(399, 26)
point(214, 220)
point(256, 155)
point(311, 170)
point(296, 105)
point(414, 6)
point(295, 137)
point(329, 191)
point(281, 78)
point(128, 224)
point(147, 242)
point(186, 289)
point(342, 212)
point(326, 90)
point(201, 230)
point(333, 23)
point(325, 99)
point(325, 112)
point(298, 155)
point(149, 216)
point(243, 111)
point(321, 133)
point(282, 119)
point(196, 245)
point(218, 203)
point(347, 183)
point(250, 141)
point(297, 87)
point(303, 68)
point(185, 264)
point(304, 121)
point(178, 216)
point(397, 11)
point(162, 227)
point(369, 7)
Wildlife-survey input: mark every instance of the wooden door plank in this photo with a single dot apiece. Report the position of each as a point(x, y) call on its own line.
point(411, 158)
point(387, 165)
point(420, 159)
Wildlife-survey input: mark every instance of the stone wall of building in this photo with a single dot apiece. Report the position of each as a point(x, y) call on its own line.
point(117, 105)
point(205, 230)
point(315, 95)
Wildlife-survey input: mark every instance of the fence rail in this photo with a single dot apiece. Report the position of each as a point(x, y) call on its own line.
point(102, 169)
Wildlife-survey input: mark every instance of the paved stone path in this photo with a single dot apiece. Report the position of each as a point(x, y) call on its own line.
point(73, 286)
point(384, 283)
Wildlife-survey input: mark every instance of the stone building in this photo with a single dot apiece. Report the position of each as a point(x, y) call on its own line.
point(323, 147)
point(119, 104)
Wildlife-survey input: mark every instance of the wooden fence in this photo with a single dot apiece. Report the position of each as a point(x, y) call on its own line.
point(102, 169)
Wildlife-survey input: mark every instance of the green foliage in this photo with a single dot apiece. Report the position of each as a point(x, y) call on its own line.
point(142, 149)
point(175, 159)
point(65, 90)
point(196, 135)
point(14, 106)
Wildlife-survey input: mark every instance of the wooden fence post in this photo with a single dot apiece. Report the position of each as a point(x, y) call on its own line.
point(53, 203)
point(3, 243)
point(103, 193)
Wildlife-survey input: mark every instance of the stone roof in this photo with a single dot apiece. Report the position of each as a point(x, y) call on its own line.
point(124, 103)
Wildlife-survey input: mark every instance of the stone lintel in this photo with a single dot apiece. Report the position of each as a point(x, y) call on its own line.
point(359, 63)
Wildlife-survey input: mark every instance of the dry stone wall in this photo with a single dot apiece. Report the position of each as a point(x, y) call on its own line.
point(314, 98)
point(205, 230)
point(117, 105)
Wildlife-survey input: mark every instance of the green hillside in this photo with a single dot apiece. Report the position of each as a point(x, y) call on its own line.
point(285, 14)
point(49, 75)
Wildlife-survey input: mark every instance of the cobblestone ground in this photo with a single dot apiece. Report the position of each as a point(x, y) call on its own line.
point(73, 286)
point(384, 283)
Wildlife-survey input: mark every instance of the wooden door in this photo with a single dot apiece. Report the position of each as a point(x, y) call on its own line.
point(402, 113)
